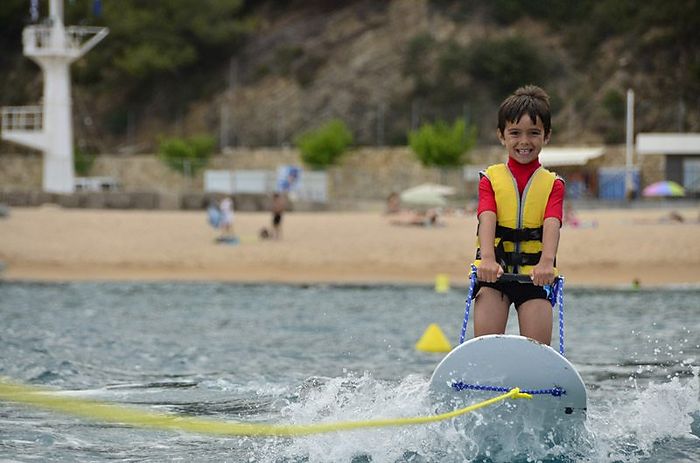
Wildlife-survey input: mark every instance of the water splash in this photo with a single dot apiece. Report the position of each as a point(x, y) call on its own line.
point(497, 433)
point(634, 426)
point(354, 398)
point(629, 427)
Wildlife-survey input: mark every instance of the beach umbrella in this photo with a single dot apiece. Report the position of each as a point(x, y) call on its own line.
point(428, 194)
point(443, 190)
point(663, 188)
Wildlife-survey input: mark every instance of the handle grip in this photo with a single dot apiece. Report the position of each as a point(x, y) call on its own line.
point(516, 277)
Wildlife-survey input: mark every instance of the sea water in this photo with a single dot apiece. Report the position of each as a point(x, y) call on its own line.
point(307, 354)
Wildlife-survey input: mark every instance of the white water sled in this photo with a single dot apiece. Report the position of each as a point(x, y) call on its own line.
point(482, 367)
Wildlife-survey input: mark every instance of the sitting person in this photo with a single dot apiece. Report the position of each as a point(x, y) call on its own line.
point(393, 203)
point(429, 218)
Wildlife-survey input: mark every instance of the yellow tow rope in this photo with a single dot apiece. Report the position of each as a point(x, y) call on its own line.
point(118, 414)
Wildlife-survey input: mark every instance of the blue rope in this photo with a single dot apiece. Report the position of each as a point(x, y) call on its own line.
point(470, 294)
point(559, 292)
point(555, 391)
point(556, 297)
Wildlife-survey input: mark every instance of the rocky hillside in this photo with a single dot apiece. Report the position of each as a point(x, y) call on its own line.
point(385, 67)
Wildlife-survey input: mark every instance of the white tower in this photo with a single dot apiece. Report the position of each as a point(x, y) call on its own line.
point(50, 128)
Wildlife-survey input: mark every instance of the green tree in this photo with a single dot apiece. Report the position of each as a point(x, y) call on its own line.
point(186, 155)
point(498, 64)
point(161, 37)
point(417, 62)
point(323, 147)
point(443, 145)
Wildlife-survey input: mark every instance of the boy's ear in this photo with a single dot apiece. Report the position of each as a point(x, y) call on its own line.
point(499, 134)
point(547, 137)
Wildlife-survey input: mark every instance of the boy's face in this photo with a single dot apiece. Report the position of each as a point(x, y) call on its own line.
point(524, 139)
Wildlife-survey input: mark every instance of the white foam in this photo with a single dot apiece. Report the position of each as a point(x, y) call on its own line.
point(629, 426)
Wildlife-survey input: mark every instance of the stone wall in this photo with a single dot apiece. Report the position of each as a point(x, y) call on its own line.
point(364, 176)
point(20, 171)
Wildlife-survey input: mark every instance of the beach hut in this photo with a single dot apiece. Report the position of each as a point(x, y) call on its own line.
point(681, 152)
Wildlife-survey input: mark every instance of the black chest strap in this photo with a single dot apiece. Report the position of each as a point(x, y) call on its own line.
point(516, 235)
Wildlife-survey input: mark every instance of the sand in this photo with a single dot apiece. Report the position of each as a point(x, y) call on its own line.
point(613, 248)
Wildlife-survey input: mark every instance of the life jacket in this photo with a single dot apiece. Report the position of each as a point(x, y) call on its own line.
point(518, 243)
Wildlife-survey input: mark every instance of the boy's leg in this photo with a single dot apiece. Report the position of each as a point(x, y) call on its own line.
point(535, 319)
point(490, 312)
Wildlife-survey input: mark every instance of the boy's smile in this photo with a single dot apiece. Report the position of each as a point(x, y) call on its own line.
point(524, 139)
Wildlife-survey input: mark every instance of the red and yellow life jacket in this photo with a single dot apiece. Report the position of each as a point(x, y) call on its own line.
point(518, 242)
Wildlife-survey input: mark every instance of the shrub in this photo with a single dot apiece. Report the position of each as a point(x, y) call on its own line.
point(442, 145)
point(323, 147)
point(186, 155)
point(615, 103)
point(417, 62)
point(82, 161)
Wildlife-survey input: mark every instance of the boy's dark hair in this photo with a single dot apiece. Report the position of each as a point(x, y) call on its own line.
point(530, 100)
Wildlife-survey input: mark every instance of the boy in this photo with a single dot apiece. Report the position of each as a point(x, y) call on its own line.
point(519, 213)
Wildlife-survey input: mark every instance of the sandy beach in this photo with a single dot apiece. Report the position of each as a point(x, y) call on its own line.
point(611, 249)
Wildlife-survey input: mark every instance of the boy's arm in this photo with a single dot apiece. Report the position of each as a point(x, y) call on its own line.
point(543, 272)
point(488, 269)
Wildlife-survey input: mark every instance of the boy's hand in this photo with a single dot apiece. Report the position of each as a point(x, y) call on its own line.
point(488, 271)
point(542, 274)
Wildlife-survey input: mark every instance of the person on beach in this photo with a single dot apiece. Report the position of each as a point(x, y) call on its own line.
point(519, 216)
point(393, 203)
point(279, 204)
point(227, 217)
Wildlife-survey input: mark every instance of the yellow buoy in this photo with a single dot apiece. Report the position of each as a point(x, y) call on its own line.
point(442, 283)
point(433, 340)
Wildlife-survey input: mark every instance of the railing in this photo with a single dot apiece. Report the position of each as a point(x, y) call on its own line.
point(77, 39)
point(96, 184)
point(36, 37)
point(29, 118)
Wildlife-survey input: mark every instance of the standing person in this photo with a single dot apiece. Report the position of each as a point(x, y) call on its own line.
point(279, 204)
point(227, 217)
point(519, 213)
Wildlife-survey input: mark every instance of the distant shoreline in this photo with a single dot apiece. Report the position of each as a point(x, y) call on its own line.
point(354, 248)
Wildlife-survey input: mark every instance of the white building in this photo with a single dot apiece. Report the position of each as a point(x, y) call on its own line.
point(682, 156)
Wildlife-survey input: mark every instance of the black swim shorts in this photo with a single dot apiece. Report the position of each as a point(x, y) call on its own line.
point(517, 293)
